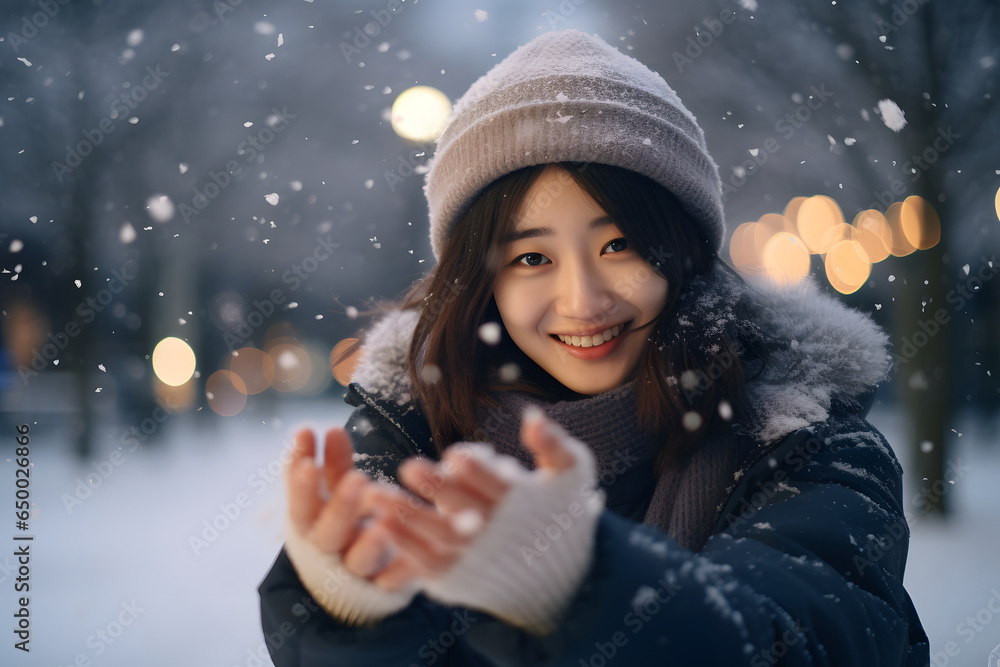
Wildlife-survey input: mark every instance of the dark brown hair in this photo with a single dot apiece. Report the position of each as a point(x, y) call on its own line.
point(680, 385)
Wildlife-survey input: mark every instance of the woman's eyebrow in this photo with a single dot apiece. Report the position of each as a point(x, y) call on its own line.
point(535, 232)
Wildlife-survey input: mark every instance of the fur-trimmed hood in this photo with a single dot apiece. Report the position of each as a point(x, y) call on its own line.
point(823, 351)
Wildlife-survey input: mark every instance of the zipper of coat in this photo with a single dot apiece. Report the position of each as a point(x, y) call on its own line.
point(385, 413)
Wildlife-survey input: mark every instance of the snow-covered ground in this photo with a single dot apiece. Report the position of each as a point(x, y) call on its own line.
point(158, 566)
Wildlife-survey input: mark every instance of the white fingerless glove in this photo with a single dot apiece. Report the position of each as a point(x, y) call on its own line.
point(530, 559)
point(348, 598)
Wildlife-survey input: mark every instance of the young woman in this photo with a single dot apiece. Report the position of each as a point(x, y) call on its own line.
point(670, 467)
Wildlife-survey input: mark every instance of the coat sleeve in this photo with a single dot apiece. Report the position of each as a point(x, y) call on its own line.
point(299, 633)
point(805, 568)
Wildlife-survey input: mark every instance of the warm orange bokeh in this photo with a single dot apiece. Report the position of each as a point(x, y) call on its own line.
point(920, 223)
point(226, 393)
point(847, 266)
point(873, 234)
point(254, 367)
point(343, 368)
point(816, 216)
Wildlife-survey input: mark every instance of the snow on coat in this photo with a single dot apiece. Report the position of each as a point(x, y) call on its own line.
point(804, 564)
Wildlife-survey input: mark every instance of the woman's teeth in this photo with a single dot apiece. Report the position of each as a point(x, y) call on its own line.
point(591, 341)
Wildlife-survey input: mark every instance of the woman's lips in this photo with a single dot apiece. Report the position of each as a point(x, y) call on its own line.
point(593, 352)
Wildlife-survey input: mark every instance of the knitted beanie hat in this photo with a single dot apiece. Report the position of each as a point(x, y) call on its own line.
point(567, 96)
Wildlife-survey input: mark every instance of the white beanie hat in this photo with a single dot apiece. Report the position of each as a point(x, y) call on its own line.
point(567, 96)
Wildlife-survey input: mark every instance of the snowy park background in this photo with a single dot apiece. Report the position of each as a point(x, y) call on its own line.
point(205, 220)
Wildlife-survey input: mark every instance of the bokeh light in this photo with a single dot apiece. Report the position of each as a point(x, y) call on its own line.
point(746, 247)
point(786, 259)
point(847, 266)
point(816, 215)
point(254, 367)
point(834, 235)
point(778, 246)
point(792, 209)
point(420, 113)
point(175, 398)
point(343, 364)
point(173, 361)
point(778, 222)
point(901, 246)
point(292, 365)
point(920, 222)
point(873, 233)
point(226, 393)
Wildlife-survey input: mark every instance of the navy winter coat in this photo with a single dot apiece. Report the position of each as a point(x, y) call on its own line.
point(804, 566)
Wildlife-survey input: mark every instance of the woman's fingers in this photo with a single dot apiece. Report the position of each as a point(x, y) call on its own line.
point(370, 553)
point(402, 512)
point(337, 456)
point(448, 492)
point(544, 439)
point(304, 502)
point(474, 474)
point(418, 558)
point(304, 447)
point(336, 526)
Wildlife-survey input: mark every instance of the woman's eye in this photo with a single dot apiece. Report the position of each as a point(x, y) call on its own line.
point(532, 259)
point(617, 245)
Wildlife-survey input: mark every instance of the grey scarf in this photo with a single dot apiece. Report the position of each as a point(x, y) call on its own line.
point(687, 494)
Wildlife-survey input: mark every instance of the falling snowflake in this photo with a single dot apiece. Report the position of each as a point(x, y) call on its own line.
point(892, 115)
point(272, 198)
point(489, 333)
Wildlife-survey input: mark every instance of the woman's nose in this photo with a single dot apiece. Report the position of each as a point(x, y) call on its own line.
point(584, 294)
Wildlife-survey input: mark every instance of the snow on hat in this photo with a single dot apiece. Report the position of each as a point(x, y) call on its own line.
point(567, 96)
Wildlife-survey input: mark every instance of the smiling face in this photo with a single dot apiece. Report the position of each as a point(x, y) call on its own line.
point(571, 292)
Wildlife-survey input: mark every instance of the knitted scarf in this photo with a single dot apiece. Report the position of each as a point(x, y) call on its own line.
point(685, 498)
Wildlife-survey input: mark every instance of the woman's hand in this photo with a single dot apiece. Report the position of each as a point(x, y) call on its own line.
point(537, 529)
point(463, 490)
point(329, 517)
point(460, 493)
point(379, 532)
point(387, 535)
